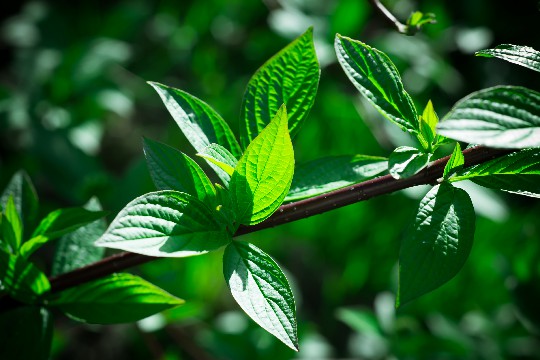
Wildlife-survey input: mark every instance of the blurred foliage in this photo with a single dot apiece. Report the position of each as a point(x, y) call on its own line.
point(74, 105)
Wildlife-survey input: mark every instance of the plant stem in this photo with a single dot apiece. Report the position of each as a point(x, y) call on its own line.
point(402, 28)
point(290, 212)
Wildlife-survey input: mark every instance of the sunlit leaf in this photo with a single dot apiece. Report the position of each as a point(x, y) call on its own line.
point(219, 156)
point(455, 162)
point(405, 161)
point(21, 278)
point(517, 54)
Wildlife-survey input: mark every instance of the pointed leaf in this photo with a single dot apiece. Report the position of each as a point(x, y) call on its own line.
point(261, 289)
point(219, 156)
point(21, 278)
point(165, 224)
point(12, 230)
point(455, 162)
point(117, 298)
point(25, 198)
point(405, 161)
point(330, 173)
point(428, 122)
point(77, 249)
point(438, 244)
point(517, 54)
point(173, 170)
point(290, 77)
point(501, 117)
point(263, 175)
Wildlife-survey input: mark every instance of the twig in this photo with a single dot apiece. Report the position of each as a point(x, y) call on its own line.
point(402, 28)
point(290, 212)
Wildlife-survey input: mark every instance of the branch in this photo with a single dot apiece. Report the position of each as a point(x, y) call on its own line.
point(402, 28)
point(290, 212)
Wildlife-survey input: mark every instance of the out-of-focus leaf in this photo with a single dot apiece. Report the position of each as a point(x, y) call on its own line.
point(11, 226)
point(21, 278)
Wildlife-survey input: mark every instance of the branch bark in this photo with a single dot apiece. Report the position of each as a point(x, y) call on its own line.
point(290, 212)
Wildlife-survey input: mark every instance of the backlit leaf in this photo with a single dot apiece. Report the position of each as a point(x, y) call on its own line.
point(25, 199)
point(455, 162)
point(219, 156)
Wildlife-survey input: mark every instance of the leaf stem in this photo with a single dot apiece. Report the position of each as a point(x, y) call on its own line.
point(402, 28)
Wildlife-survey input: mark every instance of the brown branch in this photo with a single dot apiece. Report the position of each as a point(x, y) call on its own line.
point(391, 19)
point(290, 212)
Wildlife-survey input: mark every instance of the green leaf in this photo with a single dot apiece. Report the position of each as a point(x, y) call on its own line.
point(455, 162)
point(428, 122)
point(263, 175)
point(261, 289)
point(26, 333)
point(438, 244)
point(165, 224)
point(405, 161)
point(377, 78)
point(418, 19)
point(290, 77)
point(25, 199)
point(173, 170)
point(225, 208)
point(517, 54)
point(219, 156)
point(77, 249)
point(334, 172)
point(517, 173)
point(117, 298)
point(22, 279)
point(501, 117)
point(12, 230)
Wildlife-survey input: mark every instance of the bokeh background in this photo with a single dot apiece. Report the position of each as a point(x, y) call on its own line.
point(74, 105)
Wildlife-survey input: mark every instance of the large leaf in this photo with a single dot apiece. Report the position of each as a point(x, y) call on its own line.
point(21, 278)
point(117, 298)
point(334, 172)
point(405, 161)
point(165, 224)
point(261, 289)
point(501, 116)
point(26, 333)
point(77, 249)
point(377, 78)
point(518, 173)
point(290, 77)
point(263, 175)
point(517, 54)
point(438, 244)
point(173, 170)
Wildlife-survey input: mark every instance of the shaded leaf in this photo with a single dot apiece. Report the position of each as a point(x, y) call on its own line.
point(517, 54)
point(21, 278)
point(12, 230)
point(25, 199)
point(219, 156)
point(405, 161)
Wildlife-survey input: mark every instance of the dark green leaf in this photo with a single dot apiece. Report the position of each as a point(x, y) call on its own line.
point(455, 162)
point(77, 249)
point(501, 116)
point(166, 224)
point(517, 54)
point(117, 298)
point(261, 289)
point(438, 244)
point(334, 172)
point(405, 161)
point(12, 230)
point(22, 279)
point(290, 77)
point(263, 175)
point(219, 156)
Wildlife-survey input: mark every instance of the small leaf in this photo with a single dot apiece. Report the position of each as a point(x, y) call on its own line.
point(500, 117)
point(455, 162)
point(330, 173)
point(438, 244)
point(218, 155)
point(517, 54)
point(165, 224)
point(117, 298)
point(263, 175)
point(261, 289)
point(428, 122)
point(517, 173)
point(21, 278)
point(405, 161)
point(377, 78)
point(417, 20)
point(12, 230)
point(26, 333)
point(77, 249)
point(290, 77)
point(173, 170)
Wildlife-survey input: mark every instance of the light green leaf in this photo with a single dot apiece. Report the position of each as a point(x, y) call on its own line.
point(290, 77)
point(26, 333)
point(117, 298)
point(21, 278)
point(330, 173)
point(455, 162)
point(165, 224)
point(219, 156)
point(173, 170)
point(261, 289)
point(500, 117)
point(263, 175)
point(417, 20)
point(12, 230)
point(25, 199)
point(438, 244)
point(517, 54)
point(428, 122)
point(377, 78)
point(517, 173)
point(77, 249)
point(405, 161)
